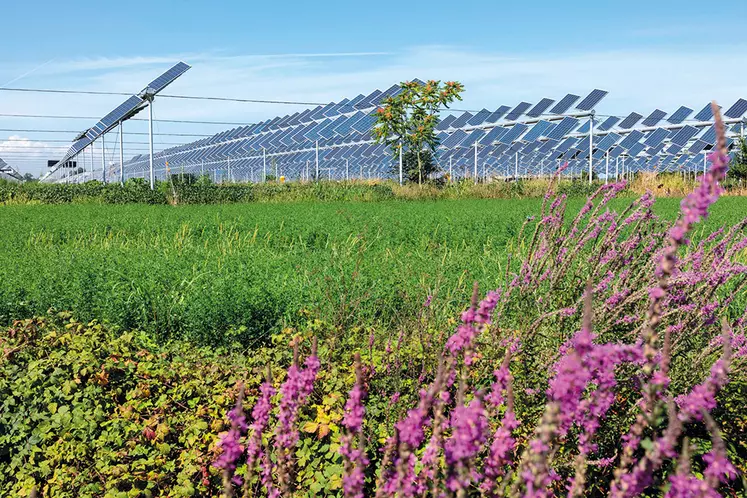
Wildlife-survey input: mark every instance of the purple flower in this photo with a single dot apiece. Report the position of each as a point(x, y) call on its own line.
point(469, 430)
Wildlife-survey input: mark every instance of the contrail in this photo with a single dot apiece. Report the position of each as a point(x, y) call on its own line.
point(27, 73)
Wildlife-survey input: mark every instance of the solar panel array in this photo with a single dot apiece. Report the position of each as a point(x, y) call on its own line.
point(8, 173)
point(336, 141)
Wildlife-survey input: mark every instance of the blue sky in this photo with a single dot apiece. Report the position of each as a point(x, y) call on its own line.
point(647, 54)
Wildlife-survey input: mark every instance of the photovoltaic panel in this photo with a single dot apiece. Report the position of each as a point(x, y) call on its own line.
point(479, 118)
point(493, 135)
point(608, 141)
point(565, 144)
point(632, 138)
point(674, 149)
point(709, 136)
point(591, 100)
point(564, 104)
point(457, 137)
point(166, 78)
point(514, 133)
point(121, 111)
point(655, 150)
point(654, 118)
point(537, 130)
point(630, 121)
point(364, 124)
point(706, 114)
point(517, 111)
point(548, 146)
point(636, 149)
point(656, 137)
point(608, 123)
point(497, 114)
point(697, 146)
point(684, 135)
point(473, 137)
point(461, 120)
point(737, 110)
point(565, 126)
point(445, 123)
point(540, 107)
point(680, 115)
point(616, 151)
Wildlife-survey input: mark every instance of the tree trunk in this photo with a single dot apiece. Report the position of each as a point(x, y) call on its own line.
point(420, 170)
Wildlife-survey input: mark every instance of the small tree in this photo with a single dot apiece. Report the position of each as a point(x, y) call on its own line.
point(409, 118)
point(412, 169)
point(738, 167)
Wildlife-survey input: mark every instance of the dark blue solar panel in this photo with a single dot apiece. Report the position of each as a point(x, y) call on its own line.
point(697, 146)
point(684, 135)
point(345, 124)
point(121, 111)
point(530, 147)
point(515, 147)
point(364, 124)
point(680, 115)
point(608, 123)
point(616, 151)
point(514, 133)
point(632, 138)
point(369, 101)
point(548, 146)
point(630, 121)
point(655, 150)
point(674, 149)
point(654, 118)
point(351, 106)
point(636, 149)
point(709, 136)
point(479, 118)
point(705, 114)
point(540, 107)
point(737, 110)
point(517, 111)
point(591, 100)
point(493, 135)
point(473, 137)
point(461, 120)
point(566, 144)
point(565, 126)
point(656, 137)
point(166, 78)
point(538, 130)
point(329, 130)
point(564, 104)
point(454, 139)
point(497, 114)
point(608, 141)
point(445, 123)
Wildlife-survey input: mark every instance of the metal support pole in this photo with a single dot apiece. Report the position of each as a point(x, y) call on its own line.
point(516, 167)
point(617, 169)
point(150, 144)
point(360, 166)
point(451, 178)
point(704, 164)
point(121, 155)
point(591, 144)
point(347, 169)
point(475, 162)
point(228, 161)
point(103, 159)
point(607, 169)
point(400, 162)
point(93, 146)
point(316, 175)
point(202, 167)
point(264, 164)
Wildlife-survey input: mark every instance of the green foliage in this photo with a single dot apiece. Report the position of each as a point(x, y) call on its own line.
point(408, 120)
point(738, 167)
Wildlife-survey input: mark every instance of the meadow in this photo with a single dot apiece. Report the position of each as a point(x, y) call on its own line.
point(217, 274)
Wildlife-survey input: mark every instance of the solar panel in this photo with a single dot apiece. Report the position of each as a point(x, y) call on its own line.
point(591, 100)
point(493, 135)
point(737, 110)
point(538, 130)
point(517, 111)
point(514, 133)
point(705, 114)
point(461, 120)
point(655, 150)
point(479, 118)
point(121, 111)
point(473, 137)
point(697, 146)
point(565, 126)
point(608, 123)
point(674, 149)
point(608, 141)
point(656, 137)
point(564, 104)
point(566, 144)
point(636, 149)
point(445, 123)
point(654, 118)
point(709, 136)
point(497, 114)
point(166, 78)
point(455, 138)
point(540, 107)
point(530, 147)
point(630, 121)
point(632, 138)
point(548, 146)
point(680, 115)
point(685, 134)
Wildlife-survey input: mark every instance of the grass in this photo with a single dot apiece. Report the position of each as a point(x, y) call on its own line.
point(236, 272)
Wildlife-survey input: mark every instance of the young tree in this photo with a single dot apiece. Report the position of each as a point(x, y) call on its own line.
point(738, 166)
point(409, 118)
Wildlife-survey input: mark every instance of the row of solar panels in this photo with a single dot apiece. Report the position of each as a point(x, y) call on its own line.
point(8, 173)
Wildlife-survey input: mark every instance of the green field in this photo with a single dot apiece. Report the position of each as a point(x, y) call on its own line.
point(240, 271)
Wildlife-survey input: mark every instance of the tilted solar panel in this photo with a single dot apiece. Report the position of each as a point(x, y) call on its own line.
point(654, 118)
point(166, 78)
point(517, 111)
point(680, 115)
point(656, 137)
point(473, 137)
point(565, 126)
point(461, 120)
point(737, 110)
point(608, 123)
point(632, 138)
point(630, 121)
point(697, 146)
point(493, 135)
point(684, 134)
point(454, 139)
point(479, 118)
point(591, 100)
point(540, 107)
point(564, 104)
point(705, 114)
point(709, 136)
point(496, 115)
point(514, 133)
